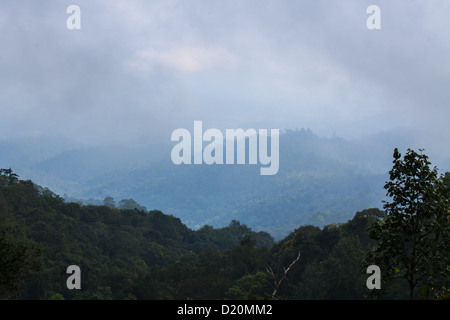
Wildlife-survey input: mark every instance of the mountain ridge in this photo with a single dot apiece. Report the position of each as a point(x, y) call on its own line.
point(321, 180)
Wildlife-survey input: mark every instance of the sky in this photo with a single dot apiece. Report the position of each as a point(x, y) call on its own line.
point(140, 69)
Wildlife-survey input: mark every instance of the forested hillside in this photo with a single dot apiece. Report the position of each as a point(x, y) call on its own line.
point(133, 254)
point(113, 247)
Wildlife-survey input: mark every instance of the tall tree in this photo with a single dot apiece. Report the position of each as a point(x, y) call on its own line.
point(109, 202)
point(413, 239)
point(8, 177)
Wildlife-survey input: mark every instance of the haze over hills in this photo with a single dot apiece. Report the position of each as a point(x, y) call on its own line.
point(320, 180)
point(118, 95)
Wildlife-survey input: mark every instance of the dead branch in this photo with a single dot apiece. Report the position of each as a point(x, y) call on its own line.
point(278, 283)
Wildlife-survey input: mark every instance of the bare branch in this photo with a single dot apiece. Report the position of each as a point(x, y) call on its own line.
point(278, 283)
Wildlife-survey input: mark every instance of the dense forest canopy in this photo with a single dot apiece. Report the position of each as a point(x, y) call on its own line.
point(127, 252)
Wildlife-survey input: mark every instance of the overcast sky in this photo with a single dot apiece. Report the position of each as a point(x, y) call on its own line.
point(144, 68)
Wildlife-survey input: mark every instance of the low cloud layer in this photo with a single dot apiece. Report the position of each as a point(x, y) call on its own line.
point(144, 68)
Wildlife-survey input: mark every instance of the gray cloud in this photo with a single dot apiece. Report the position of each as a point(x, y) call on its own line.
point(143, 68)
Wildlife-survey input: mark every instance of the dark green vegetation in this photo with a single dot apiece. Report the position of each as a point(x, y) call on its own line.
point(413, 241)
point(131, 253)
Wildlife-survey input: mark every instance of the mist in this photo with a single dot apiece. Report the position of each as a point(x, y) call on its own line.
point(138, 70)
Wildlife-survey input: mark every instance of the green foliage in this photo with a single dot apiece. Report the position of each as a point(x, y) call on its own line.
point(17, 261)
point(7, 177)
point(413, 241)
point(330, 262)
point(132, 253)
point(118, 250)
point(251, 287)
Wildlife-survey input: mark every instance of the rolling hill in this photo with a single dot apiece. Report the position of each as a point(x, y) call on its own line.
point(320, 180)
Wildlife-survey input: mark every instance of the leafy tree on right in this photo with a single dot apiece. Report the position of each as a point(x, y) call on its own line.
point(413, 240)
